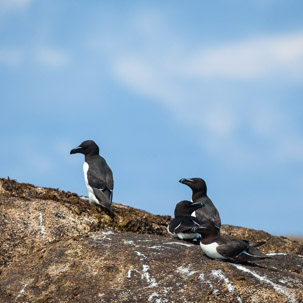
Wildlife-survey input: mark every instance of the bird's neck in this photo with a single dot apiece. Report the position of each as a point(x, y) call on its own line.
point(197, 195)
point(89, 156)
point(209, 237)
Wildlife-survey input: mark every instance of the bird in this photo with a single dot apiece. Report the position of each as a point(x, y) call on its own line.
point(220, 247)
point(199, 194)
point(184, 226)
point(97, 174)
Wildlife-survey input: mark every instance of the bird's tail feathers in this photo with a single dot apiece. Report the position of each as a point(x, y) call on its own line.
point(256, 244)
point(253, 252)
point(103, 200)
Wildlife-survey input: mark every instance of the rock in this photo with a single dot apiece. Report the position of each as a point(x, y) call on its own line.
point(31, 217)
point(57, 248)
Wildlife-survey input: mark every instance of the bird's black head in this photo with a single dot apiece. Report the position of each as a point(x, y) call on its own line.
point(208, 229)
point(196, 185)
point(186, 208)
point(88, 148)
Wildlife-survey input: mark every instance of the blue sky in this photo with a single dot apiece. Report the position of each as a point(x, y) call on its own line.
point(167, 89)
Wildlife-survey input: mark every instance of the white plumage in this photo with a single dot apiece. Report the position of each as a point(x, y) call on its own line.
point(211, 250)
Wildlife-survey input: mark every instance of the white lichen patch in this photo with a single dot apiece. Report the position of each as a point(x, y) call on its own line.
point(157, 299)
point(88, 220)
point(42, 226)
point(276, 254)
point(103, 236)
point(130, 242)
point(219, 275)
point(140, 255)
point(108, 232)
point(159, 247)
point(154, 294)
point(129, 272)
point(185, 270)
point(278, 288)
point(203, 280)
point(178, 243)
point(100, 240)
point(145, 275)
point(21, 292)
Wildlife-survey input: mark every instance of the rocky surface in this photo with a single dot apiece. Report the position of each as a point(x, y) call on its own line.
point(31, 217)
point(57, 248)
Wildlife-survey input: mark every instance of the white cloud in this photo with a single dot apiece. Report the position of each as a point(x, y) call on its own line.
point(14, 5)
point(10, 57)
point(52, 57)
point(169, 75)
point(145, 78)
point(224, 123)
point(256, 58)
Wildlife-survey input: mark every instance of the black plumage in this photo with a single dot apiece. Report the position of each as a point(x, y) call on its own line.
point(97, 174)
point(184, 226)
point(199, 194)
point(222, 247)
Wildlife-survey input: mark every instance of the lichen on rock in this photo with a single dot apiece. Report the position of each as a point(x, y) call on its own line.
point(57, 248)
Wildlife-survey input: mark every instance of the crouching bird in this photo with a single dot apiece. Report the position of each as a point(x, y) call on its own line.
point(220, 247)
point(184, 226)
point(97, 174)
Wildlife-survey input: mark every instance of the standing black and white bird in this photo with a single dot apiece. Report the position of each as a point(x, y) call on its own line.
point(97, 174)
point(199, 194)
point(220, 247)
point(184, 226)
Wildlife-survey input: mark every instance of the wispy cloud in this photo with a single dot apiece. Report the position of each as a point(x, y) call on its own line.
point(187, 83)
point(52, 57)
point(10, 57)
point(255, 58)
point(14, 5)
point(146, 78)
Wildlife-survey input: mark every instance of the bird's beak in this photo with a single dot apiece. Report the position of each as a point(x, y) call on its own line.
point(76, 150)
point(185, 181)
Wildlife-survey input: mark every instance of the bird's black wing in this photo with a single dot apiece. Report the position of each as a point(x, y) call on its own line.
point(100, 176)
point(231, 248)
point(184, 224)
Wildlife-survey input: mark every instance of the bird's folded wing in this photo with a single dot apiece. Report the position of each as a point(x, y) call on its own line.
point(103, 199)
point(232, 248)
point(186, 225)
point(96, 178)
point(101, 179)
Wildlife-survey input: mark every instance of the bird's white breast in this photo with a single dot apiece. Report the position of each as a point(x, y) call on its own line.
point(185, 236)
point(211, 250)
point(91, 196)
